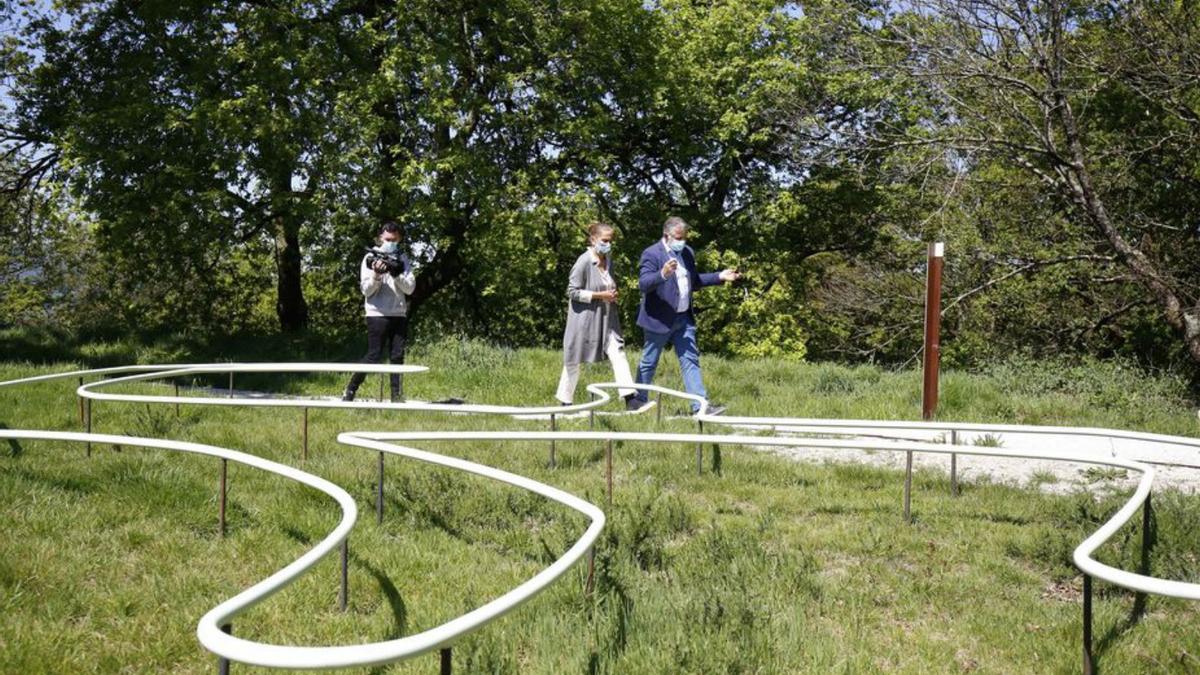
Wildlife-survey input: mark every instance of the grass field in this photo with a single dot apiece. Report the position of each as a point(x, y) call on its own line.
point(765, 566)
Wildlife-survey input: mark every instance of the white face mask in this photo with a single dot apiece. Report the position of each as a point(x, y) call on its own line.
point(603, 247)
point(676, 244)
point(389, 246)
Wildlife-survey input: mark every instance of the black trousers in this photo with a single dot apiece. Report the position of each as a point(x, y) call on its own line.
point(383, 332)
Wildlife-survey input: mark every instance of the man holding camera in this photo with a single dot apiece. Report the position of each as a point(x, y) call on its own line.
point(386, 279)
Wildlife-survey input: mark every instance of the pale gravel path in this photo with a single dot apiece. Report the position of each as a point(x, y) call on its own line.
point(1049, 476)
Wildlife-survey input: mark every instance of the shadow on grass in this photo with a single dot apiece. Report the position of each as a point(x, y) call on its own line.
point(386, 586)
point(66, 485)
point(15, 449)
point(610, 611)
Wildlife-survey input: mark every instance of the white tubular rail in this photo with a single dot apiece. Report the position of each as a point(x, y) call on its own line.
point(91, 390)
point(209, 629)
point(378, 653)
point(413, 645)
point(386, 442)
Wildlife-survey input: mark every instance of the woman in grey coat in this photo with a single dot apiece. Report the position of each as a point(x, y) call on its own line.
point(593, 320)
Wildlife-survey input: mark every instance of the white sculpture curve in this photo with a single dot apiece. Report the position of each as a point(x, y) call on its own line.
point(292, 657)
point(223, 613)
point(228, 646)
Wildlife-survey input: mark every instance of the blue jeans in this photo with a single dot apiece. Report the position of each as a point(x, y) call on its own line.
point(682, 337)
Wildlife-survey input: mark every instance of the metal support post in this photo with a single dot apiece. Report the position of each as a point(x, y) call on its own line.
point(591, 573)
point(658, 409)
point(908, 459)
point(553, 427)
point(608, 468)
point(700, 451)
point(953, 465)
point(379, 493)
point(344, 596)
point(1088, 665)
point(221, 497)
point(304, 453)
point(231, 384)
point(87, 424)
point(80, 402)
point(222, 662)
point(176, 396)
point(446, 664)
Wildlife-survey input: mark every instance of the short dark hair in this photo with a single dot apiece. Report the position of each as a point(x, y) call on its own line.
point(390, 227)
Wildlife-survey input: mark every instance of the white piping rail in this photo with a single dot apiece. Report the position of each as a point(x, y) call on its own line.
point(385, 652)
point(209, 629)
point(286, 656)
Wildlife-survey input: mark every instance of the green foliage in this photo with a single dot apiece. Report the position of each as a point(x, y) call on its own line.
point(218, 168)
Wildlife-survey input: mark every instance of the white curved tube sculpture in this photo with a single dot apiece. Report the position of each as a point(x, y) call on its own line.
point(316, 657)
point(209, 628)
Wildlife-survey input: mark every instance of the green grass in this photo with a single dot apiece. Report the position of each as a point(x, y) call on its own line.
point(763, 566)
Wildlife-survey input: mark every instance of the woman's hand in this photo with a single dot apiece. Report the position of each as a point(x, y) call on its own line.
point(605, 296)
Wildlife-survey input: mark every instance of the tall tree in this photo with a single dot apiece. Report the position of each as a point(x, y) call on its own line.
point(189, 130)
point(1051, 88)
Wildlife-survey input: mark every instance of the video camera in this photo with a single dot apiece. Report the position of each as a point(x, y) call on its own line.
point(397, 263)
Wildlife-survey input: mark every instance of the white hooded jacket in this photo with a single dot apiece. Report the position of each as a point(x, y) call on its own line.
point(386, 295)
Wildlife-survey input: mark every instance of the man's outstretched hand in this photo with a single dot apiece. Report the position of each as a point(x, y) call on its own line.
point(730, 275)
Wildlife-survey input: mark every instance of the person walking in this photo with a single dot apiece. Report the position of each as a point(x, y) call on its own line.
point(667, 279)
point(593, 330)
point(385, 287)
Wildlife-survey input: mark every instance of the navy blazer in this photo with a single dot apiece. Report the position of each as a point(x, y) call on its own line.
point(660, 296)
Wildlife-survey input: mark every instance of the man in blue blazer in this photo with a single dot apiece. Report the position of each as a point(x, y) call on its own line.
point(668, 278)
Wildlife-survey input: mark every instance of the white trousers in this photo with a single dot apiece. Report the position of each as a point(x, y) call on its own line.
point(616, 354)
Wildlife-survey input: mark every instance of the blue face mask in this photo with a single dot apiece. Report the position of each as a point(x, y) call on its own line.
point(676, 244)
point(603, 247)
point(389, 246)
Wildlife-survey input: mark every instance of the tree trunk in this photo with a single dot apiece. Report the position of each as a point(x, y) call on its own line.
point(1185, 322)
point(290, 306)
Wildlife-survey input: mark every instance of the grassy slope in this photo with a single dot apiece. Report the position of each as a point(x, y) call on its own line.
point(767, 566)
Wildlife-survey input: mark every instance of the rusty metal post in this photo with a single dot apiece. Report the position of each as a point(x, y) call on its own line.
point(221, 499)
point(1146, 540)
point(933, 316)
point(553, 428)
point(344, 596)
point(1088, 665)
point(908, 486)
point(591, 573)
point(608, 468)
point(953, 465)
point(379, 493)
point(304, 453)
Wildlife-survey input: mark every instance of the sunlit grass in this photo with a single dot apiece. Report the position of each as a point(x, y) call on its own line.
point(763, 566)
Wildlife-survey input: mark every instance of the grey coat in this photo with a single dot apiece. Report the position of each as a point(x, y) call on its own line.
point(588, 323)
